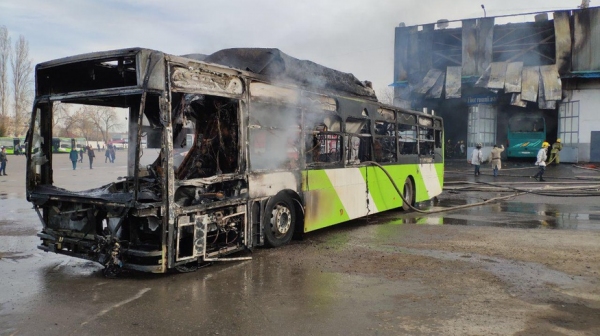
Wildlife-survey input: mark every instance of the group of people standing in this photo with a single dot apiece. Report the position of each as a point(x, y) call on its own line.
point(18, 149)
point(76, 155)
point(495, 158)
point(455, 149)
point(109, 154)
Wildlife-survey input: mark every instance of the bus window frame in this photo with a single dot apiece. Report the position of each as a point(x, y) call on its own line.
point(366, 133)
point(393, 139)
point(311, 133)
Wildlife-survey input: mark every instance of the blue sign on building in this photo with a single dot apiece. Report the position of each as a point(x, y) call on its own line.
point(482, 99)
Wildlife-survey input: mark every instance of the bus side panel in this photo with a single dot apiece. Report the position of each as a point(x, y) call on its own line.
point(381, 189)
point(323, 204)
point(333, 196)
point(269, 184)
point(428, 183)
point(522, 146)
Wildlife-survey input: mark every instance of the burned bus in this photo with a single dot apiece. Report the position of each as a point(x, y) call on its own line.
point(242, 148)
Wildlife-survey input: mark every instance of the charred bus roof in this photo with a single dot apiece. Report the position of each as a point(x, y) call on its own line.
point(108, 73)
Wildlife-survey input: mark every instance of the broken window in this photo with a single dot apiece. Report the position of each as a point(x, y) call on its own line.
point(274, 134)
point(205, 136)
point(426, 136)
point(94, 139)
point(407, 139)
point(323, 138)
point(384, 142)
point(426, 141)
point(359, 140)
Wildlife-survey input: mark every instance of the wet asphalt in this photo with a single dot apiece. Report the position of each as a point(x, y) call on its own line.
point(315, 286)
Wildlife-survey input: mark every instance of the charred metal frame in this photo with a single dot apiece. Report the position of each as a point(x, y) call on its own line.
point(207, 216)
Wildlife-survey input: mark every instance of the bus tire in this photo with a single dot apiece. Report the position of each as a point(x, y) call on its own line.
point(279, 221)
point(409, 194)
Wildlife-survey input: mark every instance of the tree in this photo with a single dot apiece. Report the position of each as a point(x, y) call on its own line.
point(104, 119)
point(4, 92)
point(85, 125)
point(386, 95)
point(21, 70)
point(70, 124)
point(60, 113)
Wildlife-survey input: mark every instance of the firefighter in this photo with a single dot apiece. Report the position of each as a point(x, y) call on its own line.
point(555, 152)
point(495, 158)
point(541, 162)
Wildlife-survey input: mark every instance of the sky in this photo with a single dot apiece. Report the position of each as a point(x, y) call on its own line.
point(355, 36)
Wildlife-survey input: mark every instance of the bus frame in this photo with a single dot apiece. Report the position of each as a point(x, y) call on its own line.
point(270, 158)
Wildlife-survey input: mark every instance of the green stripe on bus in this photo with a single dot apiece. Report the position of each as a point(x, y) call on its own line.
point(381, 189)
point(323, 205)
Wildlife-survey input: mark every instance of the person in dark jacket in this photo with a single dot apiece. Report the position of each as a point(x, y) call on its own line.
point(74, 156)
point(3, 161)
point(91, 155)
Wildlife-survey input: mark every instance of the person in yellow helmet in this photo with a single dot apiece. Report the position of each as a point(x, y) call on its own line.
point(555, 152)
point(541, 162)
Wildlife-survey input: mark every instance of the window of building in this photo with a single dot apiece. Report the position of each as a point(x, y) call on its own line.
point(482, 125)
point(568, 123)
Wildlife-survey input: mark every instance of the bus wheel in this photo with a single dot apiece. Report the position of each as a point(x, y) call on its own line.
point(279, 221)
point(409, 194)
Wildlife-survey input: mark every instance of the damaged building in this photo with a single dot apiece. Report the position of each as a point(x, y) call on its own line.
point(485, 74)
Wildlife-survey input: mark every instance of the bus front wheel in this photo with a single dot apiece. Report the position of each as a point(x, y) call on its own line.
point(409, 194)
point(279, 220)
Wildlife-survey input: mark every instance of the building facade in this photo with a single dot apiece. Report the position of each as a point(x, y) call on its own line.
point(496, 82)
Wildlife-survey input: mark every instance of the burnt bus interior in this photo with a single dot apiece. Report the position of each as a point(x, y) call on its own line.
point(121, 222)
point(188, 203)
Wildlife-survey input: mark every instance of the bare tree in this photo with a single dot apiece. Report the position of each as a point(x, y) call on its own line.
point(21, 70)
point(60, 113)
point(386, 95)
point(104, 119)
point(70, 124)
point(85, 125)
point(4, 93)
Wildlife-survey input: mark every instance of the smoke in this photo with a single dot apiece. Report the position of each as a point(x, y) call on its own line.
point(274, 131)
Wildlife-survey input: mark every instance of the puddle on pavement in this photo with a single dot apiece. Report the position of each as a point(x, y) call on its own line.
point(509, 215)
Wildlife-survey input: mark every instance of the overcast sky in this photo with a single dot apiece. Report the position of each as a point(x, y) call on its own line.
point(354, 36)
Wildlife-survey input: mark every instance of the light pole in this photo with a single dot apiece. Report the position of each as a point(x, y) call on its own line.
point(484, 13)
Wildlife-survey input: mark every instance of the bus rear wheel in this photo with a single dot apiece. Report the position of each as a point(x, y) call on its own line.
point(409, 194)
point(279, 221)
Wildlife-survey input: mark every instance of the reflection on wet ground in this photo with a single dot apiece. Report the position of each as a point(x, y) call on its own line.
point(508, 214)
point(335, 281)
